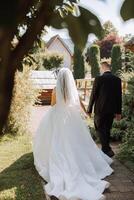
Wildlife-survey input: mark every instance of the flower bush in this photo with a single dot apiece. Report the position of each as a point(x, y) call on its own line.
point(107, 43)
point(24, 96)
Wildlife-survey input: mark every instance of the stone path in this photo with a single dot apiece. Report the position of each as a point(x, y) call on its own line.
point(122, 180)
point(122, 183)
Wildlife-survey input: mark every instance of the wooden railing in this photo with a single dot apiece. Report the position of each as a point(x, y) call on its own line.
point(84, 87)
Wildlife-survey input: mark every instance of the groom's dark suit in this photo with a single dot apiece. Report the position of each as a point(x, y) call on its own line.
point(106, 96)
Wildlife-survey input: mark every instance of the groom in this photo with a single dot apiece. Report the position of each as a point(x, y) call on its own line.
point(106, 97)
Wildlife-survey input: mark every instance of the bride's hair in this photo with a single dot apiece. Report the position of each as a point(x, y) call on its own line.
point(62, 77)
point(66, 91)
point(64, 88)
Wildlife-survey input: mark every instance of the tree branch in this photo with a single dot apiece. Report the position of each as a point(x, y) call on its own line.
point(31, 34)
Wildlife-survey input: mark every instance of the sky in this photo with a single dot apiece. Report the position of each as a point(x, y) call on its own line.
point(108, 10)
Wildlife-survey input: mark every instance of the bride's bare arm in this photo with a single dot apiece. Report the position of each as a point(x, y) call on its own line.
point(82, 105)
point(53, 98)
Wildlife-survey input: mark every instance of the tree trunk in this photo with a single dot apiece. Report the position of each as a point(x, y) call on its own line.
point(10, 60)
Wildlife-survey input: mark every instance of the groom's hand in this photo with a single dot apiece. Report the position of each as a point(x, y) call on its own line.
point(118, 117)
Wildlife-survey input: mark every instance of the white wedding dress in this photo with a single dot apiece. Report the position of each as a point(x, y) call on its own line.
point(65, 154)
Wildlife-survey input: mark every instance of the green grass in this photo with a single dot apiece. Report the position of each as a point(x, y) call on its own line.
point(18, 177)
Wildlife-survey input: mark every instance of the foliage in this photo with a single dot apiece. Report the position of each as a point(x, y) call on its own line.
point(116, 56)
point(126, 76)
point(129, 61)
point(127, 10)
point(84, 24)
point(24, 96)
point(125, 128)
point(127, 147)
point(26, 20)
point(52, 60)
point(94, 60)
point(108, 28)
point(118, 130)
point(78, 67)
point(107, 43)
point(34, 58)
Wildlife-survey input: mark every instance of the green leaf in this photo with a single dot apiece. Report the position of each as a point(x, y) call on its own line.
point(127, 10)
point(79, 27)
point(56, 21)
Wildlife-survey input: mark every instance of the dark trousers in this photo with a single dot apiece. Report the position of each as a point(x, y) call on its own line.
point(103, 124)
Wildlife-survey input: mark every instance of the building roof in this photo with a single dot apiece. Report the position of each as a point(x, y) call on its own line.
point(67, 43)
point(62, 41)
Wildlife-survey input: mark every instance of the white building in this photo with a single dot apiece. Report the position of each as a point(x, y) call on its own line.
point(43, 80)
point(57, 44)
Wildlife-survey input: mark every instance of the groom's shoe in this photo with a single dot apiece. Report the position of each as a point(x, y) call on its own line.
point(110, 153)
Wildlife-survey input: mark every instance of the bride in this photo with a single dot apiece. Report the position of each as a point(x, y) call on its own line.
point(65, 154)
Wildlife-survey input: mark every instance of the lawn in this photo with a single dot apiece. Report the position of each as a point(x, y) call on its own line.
point(18, 177)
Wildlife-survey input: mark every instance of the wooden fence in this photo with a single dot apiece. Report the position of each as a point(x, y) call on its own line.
point(84, 87)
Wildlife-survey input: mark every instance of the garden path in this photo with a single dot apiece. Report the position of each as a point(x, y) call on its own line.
point(122, 181)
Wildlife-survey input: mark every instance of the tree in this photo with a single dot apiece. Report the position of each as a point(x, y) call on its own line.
point(94, 60)
point(52, 60)
point(32, 16)
point(78, 67)
point(107, 43)
point(116, 58)
point(108, 28)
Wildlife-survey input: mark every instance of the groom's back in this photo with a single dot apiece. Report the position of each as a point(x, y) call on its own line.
point(108, 97)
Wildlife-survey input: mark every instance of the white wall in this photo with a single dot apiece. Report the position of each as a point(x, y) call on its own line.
point(57, 46)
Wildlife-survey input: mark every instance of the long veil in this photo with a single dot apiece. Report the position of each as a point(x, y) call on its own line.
point(66, 91)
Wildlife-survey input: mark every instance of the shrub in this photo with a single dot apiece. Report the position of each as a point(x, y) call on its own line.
point(116, 55)
point(52, 60)
point(129, 61)
point(78, 67)
point(127, 146)
point(94, 60)
point(24, 96)
point(118, 130)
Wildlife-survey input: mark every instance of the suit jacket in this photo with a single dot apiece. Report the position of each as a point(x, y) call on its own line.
point(106, 95)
